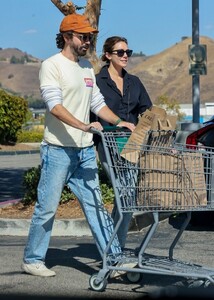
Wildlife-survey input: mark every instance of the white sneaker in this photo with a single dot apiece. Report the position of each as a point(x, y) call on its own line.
point(37, 269)
point(117, 273)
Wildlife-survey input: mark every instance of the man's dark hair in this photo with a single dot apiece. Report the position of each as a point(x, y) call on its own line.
point(60, 42)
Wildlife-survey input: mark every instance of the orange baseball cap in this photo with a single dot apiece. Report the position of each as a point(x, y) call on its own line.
point(77, 23)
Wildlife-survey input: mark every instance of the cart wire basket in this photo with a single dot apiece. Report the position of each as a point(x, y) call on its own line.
point(158, 175)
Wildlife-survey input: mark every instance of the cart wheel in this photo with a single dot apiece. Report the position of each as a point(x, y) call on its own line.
point(134, 277)
point(99, 287)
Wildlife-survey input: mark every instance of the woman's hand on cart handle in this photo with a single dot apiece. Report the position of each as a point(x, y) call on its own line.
point(128, 125)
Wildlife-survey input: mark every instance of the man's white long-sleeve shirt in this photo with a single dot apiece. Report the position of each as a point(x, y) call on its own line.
point(73, 85)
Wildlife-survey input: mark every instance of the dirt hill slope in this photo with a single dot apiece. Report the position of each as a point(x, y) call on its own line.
point(21, 79)
point(163, 74)
point(168, 73)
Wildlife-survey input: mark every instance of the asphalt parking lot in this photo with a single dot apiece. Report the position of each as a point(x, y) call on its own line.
point(12, 169)
point(75, 259)
point(74, 256)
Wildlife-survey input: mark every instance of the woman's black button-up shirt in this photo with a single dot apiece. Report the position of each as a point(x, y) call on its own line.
point(134, 101)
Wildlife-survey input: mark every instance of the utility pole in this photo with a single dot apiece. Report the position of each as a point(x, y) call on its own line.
point(197, 61)
point(195, 77)
point(197, 67)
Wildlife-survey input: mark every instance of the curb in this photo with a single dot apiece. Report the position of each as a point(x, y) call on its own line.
point(9, 202)
point(20, 227)
point(21, 152)
point(71, 227)
point(62, 227)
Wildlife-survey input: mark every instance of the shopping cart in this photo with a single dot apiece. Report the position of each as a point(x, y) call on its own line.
point(157, 176)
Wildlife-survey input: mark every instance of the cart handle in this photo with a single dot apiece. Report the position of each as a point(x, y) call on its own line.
point(108, 129)
point(114, 128)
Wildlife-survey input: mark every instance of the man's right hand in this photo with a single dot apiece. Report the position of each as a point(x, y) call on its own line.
point(95, 125)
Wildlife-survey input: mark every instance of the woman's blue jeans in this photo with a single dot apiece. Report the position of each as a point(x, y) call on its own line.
point(76, 167)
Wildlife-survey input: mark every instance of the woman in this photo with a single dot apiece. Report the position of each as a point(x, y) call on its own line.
point(125, 95)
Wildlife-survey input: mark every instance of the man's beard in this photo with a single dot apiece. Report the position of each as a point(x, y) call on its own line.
point(79, 51)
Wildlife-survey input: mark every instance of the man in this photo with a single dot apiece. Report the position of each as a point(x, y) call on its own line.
point(69, 89)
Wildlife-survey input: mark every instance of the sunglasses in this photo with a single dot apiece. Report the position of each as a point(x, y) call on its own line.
point(88, 37)
point(121, 52)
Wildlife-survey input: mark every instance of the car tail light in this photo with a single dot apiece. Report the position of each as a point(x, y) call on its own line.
point(193, 138)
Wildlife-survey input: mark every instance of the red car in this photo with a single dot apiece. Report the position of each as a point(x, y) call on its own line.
point(204, 136)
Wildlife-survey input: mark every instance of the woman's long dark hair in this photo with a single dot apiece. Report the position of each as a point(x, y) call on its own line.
point(109, 45)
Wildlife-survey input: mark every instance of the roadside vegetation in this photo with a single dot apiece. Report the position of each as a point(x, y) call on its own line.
point(13, 111)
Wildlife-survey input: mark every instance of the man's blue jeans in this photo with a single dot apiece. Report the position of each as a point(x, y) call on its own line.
point(76, 167)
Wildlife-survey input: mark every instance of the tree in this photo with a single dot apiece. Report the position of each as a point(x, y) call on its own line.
point(171, 106)
point(13, 110)
point(13, 60)
point(92, 12)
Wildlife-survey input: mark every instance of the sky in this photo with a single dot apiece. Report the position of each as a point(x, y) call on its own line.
point(151, 26)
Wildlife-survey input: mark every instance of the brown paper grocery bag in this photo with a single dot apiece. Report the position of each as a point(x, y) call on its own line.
point(172, 181)
point(154, 118)
point(138, 137)
point(194, 170)
point(164, 121)
point(159, 180)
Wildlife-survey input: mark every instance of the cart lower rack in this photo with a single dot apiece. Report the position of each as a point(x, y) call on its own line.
point(157, 176)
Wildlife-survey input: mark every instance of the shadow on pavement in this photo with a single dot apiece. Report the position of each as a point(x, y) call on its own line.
point(200, 221)
point(11, 184)
point(73, 257)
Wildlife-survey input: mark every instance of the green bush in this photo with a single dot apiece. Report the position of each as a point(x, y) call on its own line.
point(13, 110)
point(31, 180)
point(29, 136)
point(107, 193)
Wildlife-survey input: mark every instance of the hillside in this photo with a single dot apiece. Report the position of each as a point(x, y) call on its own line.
point(165, 73)
point(168, 73)
point(21, 79)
